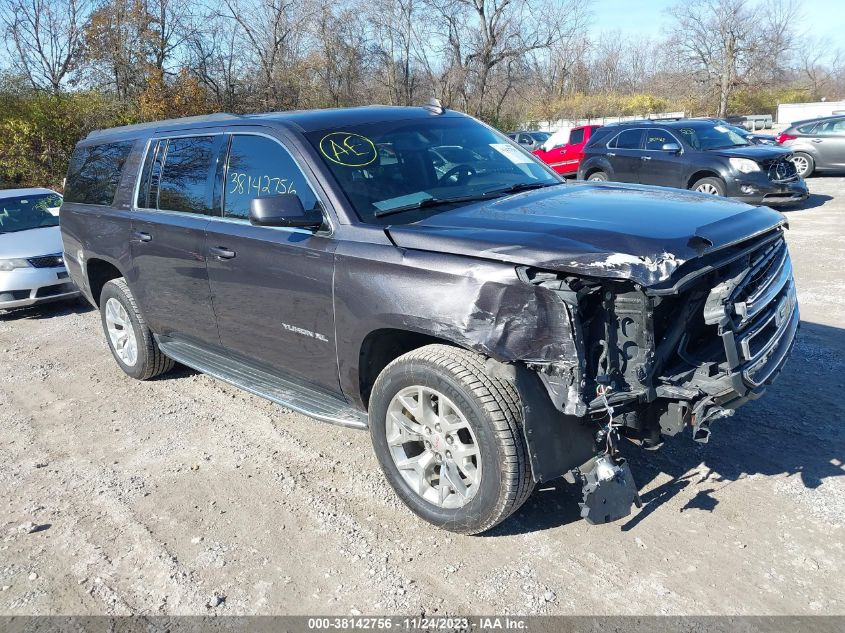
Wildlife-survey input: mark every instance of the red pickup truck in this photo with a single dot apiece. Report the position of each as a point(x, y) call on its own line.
point(566, 158)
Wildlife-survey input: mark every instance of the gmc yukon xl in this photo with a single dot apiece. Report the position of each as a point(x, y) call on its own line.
point(414, 272)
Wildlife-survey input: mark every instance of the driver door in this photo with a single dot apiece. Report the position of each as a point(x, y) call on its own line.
point(271, 287)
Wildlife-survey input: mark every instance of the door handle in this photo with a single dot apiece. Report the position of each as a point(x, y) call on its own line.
point(611, 154)
point(142, 237)
point(817, 140)
point(645, 157)
point(221, 252)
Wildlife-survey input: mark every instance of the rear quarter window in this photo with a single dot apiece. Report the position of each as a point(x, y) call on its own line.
point(807, 128)
point(94, 172)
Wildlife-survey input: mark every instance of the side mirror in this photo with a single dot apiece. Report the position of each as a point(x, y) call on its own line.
point(670, 147)
point(283, 210)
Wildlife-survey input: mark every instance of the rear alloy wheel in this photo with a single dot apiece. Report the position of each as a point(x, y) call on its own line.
point(130, 340)
point(711, 186)
point(804, 164)
point(598, 176)
point(449, 438)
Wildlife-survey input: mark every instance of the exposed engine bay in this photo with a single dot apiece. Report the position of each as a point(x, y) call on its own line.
point(654, 361)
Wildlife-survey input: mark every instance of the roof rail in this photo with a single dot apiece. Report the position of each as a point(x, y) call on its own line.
point(137, 127)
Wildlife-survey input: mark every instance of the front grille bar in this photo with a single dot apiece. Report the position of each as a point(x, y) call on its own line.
point(780, 272)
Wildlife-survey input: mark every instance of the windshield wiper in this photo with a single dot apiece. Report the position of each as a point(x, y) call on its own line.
point(523, 186)
point(429, 202)
point(434, 202)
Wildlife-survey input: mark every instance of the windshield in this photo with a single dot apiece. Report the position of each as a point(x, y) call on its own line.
point(540, 137)
point(28, 212)
point(711, 137)
point(386, 169)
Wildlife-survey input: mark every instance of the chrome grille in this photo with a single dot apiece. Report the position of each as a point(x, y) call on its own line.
point(761, 315)
point(47, 261)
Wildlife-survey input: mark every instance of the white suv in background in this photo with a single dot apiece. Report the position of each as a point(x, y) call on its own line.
point(32, 268)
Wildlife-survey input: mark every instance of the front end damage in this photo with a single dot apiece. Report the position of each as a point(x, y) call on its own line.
point(653, 361)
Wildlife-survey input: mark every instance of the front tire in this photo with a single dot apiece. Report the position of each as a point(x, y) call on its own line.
point(597, 176)
point(710, 185)
point(804, 164)
point(130, 340)
point(449, 438)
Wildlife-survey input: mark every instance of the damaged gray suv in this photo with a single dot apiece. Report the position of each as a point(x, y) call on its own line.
point(414, 272)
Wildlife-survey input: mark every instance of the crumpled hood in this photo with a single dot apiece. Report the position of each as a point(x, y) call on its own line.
point(605, 230)
point(32, 243)
point(759, 153)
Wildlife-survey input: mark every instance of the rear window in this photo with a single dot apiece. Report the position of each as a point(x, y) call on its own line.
point(629, 139)
point(599, 135)
point(94, 172)
point(577, 136)
point(187, 178)
point(834, 126)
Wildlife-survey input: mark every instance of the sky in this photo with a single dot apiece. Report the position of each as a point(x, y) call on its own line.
point(822, 18)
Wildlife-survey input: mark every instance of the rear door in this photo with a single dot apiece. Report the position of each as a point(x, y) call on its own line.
point(829, 138)
point(659, 167)
point(624, 154)
point(176, 197)
point(272, 288)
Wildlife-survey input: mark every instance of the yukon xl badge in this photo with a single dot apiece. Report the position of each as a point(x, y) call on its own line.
point(304, 332)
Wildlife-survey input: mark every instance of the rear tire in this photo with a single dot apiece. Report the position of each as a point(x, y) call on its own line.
point(440, 398)
point(710, 185)
point(597, 176)
point(130, 340)
point(804, 164)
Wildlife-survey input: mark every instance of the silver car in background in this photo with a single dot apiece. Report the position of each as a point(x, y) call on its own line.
point(818, 144)
point(32, 268)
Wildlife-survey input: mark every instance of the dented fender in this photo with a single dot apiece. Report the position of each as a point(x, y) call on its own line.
point(477, 304)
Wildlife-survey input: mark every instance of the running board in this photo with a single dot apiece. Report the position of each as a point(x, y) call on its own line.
point(309, 401)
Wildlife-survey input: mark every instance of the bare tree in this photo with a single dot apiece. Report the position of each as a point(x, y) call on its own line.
point(725, 44)
point(395, 25)
point(45, 38)
point(271, 33)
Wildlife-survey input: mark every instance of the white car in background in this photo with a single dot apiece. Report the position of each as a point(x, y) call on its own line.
point(32, 268)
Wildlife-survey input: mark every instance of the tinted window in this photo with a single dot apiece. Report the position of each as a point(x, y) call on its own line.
point(599, 136)
point(835, 126)
point(629, 139)
point(576, 136)
point(655, 139)
point(187, 177)
point(22, 213)
point(807, 128)
point(258, 168)
point(94, 172)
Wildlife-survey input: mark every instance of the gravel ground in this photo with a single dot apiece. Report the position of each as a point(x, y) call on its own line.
point(186, 496)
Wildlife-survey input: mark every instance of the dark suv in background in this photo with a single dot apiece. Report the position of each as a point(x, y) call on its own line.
point(413, 271)
point(693, 154)
point(817, 144)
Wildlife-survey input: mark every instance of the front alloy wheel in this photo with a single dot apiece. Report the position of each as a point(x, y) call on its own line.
point(433, 446)
point(448, 436)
